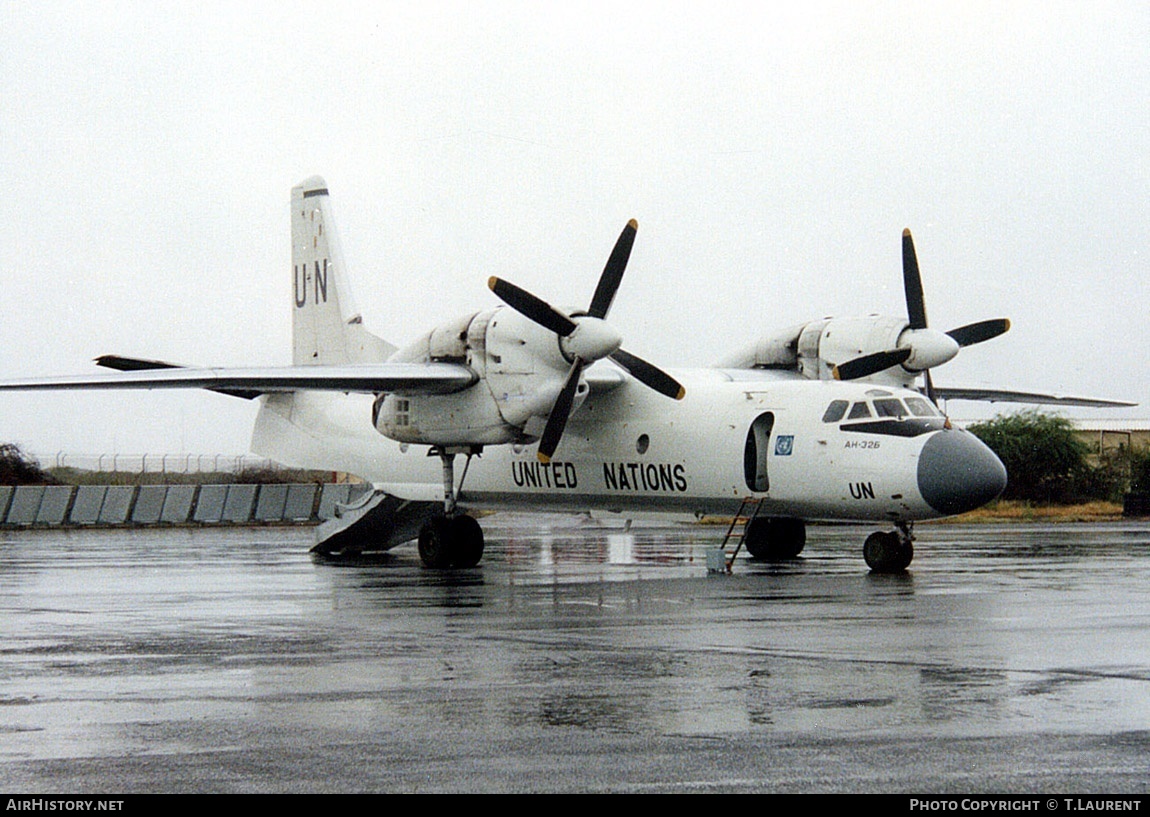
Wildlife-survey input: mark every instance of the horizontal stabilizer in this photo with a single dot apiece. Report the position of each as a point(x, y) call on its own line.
point(395, 378)
point(132, 364)
point(1005, 396)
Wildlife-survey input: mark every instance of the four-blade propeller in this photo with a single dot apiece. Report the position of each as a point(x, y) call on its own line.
point(586, 338)
point(920, 347)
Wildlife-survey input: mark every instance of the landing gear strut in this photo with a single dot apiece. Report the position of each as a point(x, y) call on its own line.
point(889, 551)
point(451, 540)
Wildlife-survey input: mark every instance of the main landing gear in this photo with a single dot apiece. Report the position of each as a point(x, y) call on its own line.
point(775, 539)
point(454, 539)
point(889, 551)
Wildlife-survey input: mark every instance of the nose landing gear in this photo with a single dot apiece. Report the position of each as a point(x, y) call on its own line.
point(889, 551)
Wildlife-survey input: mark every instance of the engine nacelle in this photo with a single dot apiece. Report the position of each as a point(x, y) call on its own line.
point(813, 349)
point(826, 344)
point(521, 369)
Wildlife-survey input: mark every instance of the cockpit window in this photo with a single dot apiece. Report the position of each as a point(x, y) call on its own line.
point(859, 411)
point(889, 407)
point(835, 411)
point(920, 408)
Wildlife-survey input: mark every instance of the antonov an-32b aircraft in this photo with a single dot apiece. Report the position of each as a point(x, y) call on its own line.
point(544, 409)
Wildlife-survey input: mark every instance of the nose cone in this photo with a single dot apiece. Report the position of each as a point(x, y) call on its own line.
point(958, 473)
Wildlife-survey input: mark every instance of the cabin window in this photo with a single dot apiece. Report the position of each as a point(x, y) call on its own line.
point(890, 407)
point(920, 408)
point(755, 452)
point(859, 411)
point(402, 412)
point(835, 411)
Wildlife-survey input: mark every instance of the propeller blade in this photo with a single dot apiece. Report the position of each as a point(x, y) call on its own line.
point(974, 333)
point(649, 375)
point(912, 284)
point(560, 412)
point(870, 364)
point(613, 272)
point(532, 307)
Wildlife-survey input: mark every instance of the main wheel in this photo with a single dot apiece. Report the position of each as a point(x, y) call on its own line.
point(887, 552)
point(466, 542)
point(435, 542)
point(450, 541)
point(775, 539)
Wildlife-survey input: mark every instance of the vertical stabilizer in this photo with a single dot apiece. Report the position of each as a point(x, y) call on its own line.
point(326, 327)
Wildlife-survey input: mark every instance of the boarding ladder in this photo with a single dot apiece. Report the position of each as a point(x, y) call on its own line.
point(754, 505)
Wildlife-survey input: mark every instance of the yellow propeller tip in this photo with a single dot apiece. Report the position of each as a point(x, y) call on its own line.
point(835, 373)
point(543, 458)
point(1007, 324)
point(634, 225)
point(906, 232)
point(682, 393)
point(491, 282)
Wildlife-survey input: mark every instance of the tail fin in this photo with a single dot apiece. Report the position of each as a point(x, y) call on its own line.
point(326, 327)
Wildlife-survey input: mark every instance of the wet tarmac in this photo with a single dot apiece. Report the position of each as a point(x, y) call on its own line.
point(578, 657)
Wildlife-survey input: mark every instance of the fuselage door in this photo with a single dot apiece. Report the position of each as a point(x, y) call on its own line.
point(755, 452)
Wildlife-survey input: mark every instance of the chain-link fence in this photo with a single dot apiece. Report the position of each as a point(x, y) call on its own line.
point(156, 463)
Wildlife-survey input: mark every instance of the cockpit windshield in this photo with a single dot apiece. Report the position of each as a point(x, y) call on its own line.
point(880, 407)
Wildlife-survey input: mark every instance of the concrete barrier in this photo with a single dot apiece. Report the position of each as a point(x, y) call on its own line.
point(86, 508)
point(270, 505)
point(210, 504)
point(117, 504)
point(54, 505)
point(178, 502)
point(149, 504)
point(238, 504)
point(300, 504)
point(25, 505)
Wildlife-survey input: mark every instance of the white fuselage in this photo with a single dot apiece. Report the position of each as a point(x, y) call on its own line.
point(627, 449)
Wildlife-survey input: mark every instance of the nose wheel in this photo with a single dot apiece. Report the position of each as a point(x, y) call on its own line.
point(889, 551)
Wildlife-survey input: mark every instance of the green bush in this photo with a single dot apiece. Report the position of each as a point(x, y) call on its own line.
point(17, 468)
point(1045, 462)
point(1139, 469)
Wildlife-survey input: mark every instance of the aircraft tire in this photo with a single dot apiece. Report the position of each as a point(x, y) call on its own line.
point(887, 552)
point(435, 543)
point(466, 541)
point(775, 539)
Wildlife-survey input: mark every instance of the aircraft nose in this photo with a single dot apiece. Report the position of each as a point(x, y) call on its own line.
point(958, 473)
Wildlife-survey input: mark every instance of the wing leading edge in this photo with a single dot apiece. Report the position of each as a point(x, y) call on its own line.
point(1007, 396)
point(394, 378)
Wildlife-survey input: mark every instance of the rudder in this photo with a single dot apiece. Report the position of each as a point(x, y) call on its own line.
point(326, 327)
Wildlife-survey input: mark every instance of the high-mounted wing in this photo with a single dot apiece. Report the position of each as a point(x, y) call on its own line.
point(1006, 396)
point(395, 378)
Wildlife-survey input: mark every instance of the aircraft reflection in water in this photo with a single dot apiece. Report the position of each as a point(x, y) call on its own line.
point(823, 421)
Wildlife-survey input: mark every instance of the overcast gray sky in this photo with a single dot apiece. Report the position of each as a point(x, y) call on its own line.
point(772, 154)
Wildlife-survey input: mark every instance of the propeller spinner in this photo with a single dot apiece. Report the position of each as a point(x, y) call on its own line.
point(586, 338)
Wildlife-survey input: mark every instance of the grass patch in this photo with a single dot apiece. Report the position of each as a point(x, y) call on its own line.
point(1015, 510)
